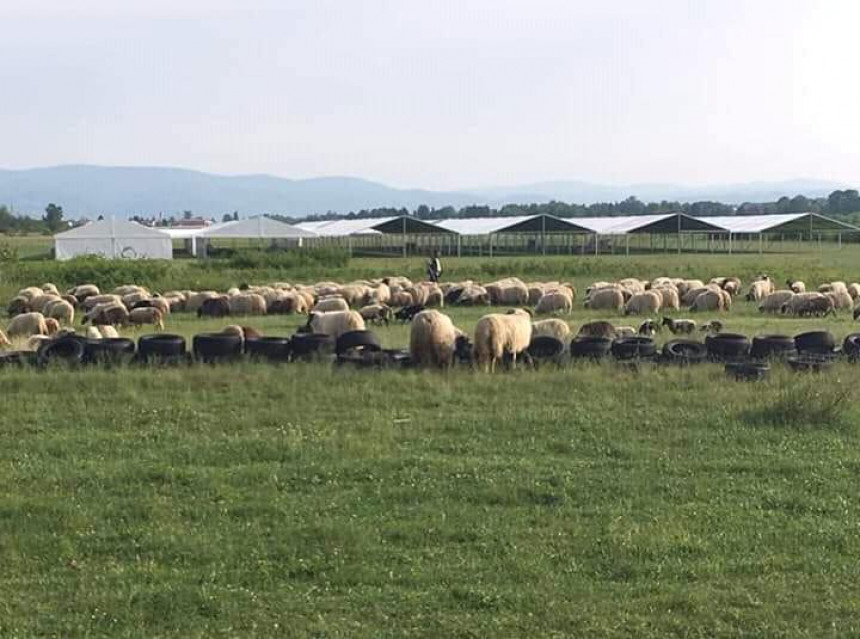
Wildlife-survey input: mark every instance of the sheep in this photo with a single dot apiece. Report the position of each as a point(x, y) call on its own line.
point(474, 295)
point(406, 313)
point(193, 301)
point(832, 286)
point(624, 331)
point(598, 328)
point(330, 304)
point(30, 292)
point(671, 300)
point(554, 302)
point(214, 307)
point(605, 299)
point(108, 332)
point(648, 328)
point(401, 299)
point(633, 285)
point(713, 327)
point(53, 326)
point(130, 289)
point(27, 324)
point(248, 304)
point(418, 294)
point(709, 301)
point(690, 296)
point(856, 313)
point(432, 339)
point(497, 335)
point(244, 332)
point(83, 291)
point(51, 289)
point(336, 323)
point(4, 341)
point(435, 298)
point(510, 291)
point(680, 326)
point(684, 286)
point(646, 303)
point(841, 298)
point(551, 328)
point(18, 305)
point(809, 304)
point(759, 289)
point(377, 314)
point(93, 333)
point(796, 286)
point(288, 304)
point(536, 291)
point(854, 290)
point(61, 311)
point(39, 302)
point(146, 315)
point(112, 313)
point(94, 300)
point(773, 303)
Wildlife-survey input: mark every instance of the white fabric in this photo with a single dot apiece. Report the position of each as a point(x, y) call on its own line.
point(114, 239)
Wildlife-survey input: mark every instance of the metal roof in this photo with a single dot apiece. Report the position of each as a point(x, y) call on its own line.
point(511, 224)
point(762, 223)
point(339, 228)
point(255, 227)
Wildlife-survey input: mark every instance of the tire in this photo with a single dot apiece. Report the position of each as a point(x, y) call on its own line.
point(364, 340)
point(216, 347)
point(724, 347)
point(18, 358)
point(273, 349)
point(161, 346)
point(626, 348)
point(545, 347)
point(309, 346)
point(772, 346)
point(66, 350)
point(809, 363)
point(851, 347)
point(748, 371)
point(591, 347)
point(817, 342)
point(117, 350)
point(684, 351)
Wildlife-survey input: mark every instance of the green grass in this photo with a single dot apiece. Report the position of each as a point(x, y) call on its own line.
point(300, 500)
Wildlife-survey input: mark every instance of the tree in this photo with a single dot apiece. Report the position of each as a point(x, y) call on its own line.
point(227, 218)
point(235, 216)
point(186, 215)
point(53, 217)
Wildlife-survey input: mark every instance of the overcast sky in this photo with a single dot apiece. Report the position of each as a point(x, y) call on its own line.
point(437, 94)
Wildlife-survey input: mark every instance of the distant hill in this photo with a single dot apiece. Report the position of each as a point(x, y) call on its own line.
point(92, 190)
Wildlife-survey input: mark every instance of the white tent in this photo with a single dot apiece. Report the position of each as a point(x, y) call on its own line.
point(114, 239)
point(260, 227)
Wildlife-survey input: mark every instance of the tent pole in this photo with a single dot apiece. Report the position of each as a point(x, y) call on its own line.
point(760, 235)
point(730, 242)
point(459, 244)
point(839, 239)
point(491, 244)
point(627, 244)
point(596, 243)
point(543, 233)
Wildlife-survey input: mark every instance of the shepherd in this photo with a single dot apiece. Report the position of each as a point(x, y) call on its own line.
point(434, 267)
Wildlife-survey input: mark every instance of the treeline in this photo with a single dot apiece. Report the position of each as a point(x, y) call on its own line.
point(50, 222)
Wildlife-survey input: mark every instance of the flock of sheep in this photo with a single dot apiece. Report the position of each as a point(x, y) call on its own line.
point(37, 313)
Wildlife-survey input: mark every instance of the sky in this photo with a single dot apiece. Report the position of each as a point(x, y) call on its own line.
point(447, 94)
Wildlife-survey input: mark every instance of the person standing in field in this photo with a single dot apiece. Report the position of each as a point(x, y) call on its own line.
point(434, 267)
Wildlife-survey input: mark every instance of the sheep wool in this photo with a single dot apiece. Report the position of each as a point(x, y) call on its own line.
point(497, 335)
point(432, 339)
point(336, 323)
point(553, 327)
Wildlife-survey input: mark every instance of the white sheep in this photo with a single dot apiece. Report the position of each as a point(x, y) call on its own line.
point(432, 339)
point(759, 289)
point(27, 324)
point(61, 311)
point(557, 301)
point(93, 333)
point(774, 302)
point(854, 290)
point(146, 315)
point(646, 303)
point(709, 300)
point(841, 298)
point(497, 335)
point(248, 304)
point(329, 304)
point(605, 299)
point(4, 341)
point(671, 299)
point(553, 327)
point(108, 332)
point(796, 286)
point(336, 323)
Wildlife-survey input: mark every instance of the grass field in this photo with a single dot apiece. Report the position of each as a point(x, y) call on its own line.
point(256, 500)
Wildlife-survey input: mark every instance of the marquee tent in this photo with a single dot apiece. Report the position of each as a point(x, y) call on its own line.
point(113, 239)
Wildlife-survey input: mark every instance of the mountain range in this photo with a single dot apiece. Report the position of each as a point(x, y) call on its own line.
point(84, 190)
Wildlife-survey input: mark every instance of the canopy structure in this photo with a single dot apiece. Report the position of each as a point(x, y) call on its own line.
point(260, 227)
point(783, 223)
point(402, 224)
point(657, 224)
point(113, 239)
point(513, 224)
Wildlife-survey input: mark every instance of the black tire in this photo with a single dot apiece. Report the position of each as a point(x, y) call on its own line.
point(161, 346)
point(626, 348)
point(273, 349)
point(748, 371)
point(19, 358)
point(684, 351)
point(809, 363)
point(816, 342)
point(216, 347)
point(309, 346)
point(545, 347)
point(590, 347)
point(724, 347)
point(851, 347)
point(117, 350)
point(66, 350)
point(772, 347)
point(364, 340)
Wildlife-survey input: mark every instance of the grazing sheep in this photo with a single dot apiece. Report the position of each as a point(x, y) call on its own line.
point(827, 287)
point(713, 327)
point(648, 328)
point(4, 341)
point(841, 298)
point(854, 290)
point(288, 304)
point(690, 296)
point(473, 295)
point(193, 301)
point(809, 304)
point(646, 303)
point(53, 326)
point(599, 328)
point(796, 286)
point(245, 332)
point(108, 332)
point(536, 291)
point(432, 339)
point(680, 326)
point(509, 291)
point(377, 314)
point(774, 302)
point(61, 311)
point(685, 286)
point(146, 315)
point(401, 299)
point(114, 314)
point(497, 335)
point(248, 304)
point(83, 291)
point(709, 301)
point(551, 328)
point(27, 324)
point(759, 289)
point(51, 289)
point(93, 333)
point(605, 299)
point(214, 307)
point(671, 299)
point(39, 302)
point(336, 323)
point(95, 300)
point(18, 305)
point(554, 302)
point(153, 302)
point(30, 292)
point(435, 298)
point(330, 304)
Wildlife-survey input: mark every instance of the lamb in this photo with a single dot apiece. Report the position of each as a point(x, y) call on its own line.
point(713, 327)
point(61, 311)
point(551, 328)
point(330, 304)
point(648, 328)
point(599, 328)
point(680, 326)
point(646, 303)
point(796, 286)
point(554, 302)
point(27, 324)
point(147, 315)
point(377, 314)
point(214, 307)
point(774, 302)
point(605, 299)
point(432, 339)
point(709, 301)
point(809, 304)
point(497, 335)
point(336, 323)
point(248, 304)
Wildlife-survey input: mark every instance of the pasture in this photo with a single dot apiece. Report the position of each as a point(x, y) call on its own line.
point(302, 500)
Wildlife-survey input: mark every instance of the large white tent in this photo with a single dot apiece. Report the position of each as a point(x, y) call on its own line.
point(113, 239)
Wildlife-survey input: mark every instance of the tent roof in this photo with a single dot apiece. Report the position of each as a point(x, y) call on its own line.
point(111, 228)
point(339, 228)
point(510, 224)
point(787, 222)
point(255, 227)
